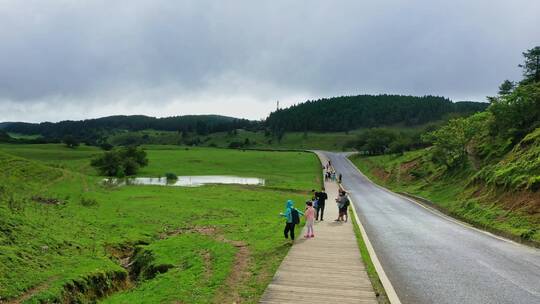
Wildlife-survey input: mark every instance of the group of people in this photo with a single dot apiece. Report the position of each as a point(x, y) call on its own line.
point(330, 173)
point(314, 209)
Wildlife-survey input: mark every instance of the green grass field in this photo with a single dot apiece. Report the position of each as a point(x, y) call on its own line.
point(65, 237)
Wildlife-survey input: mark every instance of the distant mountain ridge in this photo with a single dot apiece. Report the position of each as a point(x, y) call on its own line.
point(4, 124)
point(324, 115)
point(83, 128)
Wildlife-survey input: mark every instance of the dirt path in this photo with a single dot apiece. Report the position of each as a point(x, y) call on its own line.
point(230, 291)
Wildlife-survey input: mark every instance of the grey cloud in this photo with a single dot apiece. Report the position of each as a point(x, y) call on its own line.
point(81, 56)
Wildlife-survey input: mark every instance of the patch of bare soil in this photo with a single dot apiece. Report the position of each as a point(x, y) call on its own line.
point(381, 174)
point(207, 261)
point(472, 156)
point(526, 201)
point(46, 200)
point(205, 230)
point(406, 168)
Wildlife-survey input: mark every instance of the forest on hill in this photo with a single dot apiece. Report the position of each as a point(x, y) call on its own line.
point(367, 111)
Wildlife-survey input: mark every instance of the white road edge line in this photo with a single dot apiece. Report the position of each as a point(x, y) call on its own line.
point(388, 287)
point(438, 213)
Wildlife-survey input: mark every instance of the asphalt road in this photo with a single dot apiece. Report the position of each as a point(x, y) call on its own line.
point(430, 258)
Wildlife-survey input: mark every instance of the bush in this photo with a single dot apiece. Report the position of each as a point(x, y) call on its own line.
point(379, 141)
point(171, 176)
point(236, 145)
point(70, 141)
point(88, 202)
point(106, 146)
point(529, 234)
point(123, 162)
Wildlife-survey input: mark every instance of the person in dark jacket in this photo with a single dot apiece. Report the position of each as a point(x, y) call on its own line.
point(321, 200)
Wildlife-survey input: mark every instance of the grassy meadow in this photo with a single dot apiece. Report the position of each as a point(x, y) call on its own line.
point(66, 237)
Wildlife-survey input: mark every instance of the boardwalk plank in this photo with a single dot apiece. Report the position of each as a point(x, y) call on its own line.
point(324, 269)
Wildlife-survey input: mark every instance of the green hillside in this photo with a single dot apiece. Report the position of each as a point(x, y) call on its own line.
point(484, 169)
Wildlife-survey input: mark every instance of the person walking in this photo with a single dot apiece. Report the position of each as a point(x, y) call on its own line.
point(342, 202)
point(292, 218)
point(345, 209)
point(321, 200)
point(310, 217)
point(340, 178)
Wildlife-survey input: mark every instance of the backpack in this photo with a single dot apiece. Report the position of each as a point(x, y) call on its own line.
point(295, 216)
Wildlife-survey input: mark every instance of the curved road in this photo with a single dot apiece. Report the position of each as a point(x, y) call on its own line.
point(430, 258)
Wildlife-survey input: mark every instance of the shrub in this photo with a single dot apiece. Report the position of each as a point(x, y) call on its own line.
point(70, 141)
point(106, 146)
point(235, 145)
point(171, 176)
point(120, 163)
point(88, 202)
point(529, 234)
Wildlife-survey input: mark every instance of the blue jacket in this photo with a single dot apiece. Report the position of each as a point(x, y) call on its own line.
point(288, 210)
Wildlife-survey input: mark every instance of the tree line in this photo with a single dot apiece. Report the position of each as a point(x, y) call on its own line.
point(95, 131)
point(366, 111)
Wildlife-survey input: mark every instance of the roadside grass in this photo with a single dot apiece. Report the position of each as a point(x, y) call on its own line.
point(46, 247)
point(451, 193)
point(378, 287)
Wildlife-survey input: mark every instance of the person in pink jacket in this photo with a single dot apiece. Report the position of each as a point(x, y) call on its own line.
point(310, 217)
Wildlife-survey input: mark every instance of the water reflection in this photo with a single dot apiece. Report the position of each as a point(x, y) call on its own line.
point(185, 181)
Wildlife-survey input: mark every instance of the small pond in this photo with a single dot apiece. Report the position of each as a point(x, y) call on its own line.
point(185, 181)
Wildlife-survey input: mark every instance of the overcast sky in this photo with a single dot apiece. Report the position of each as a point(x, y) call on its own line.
point(82, 59)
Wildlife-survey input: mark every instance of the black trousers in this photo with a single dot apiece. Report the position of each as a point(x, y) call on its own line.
point(289, 227)
point(320, 210)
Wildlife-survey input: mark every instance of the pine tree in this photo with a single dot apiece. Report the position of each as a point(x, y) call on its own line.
point(531, 66)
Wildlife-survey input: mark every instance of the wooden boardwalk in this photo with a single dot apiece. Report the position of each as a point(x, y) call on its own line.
point(324, 269)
